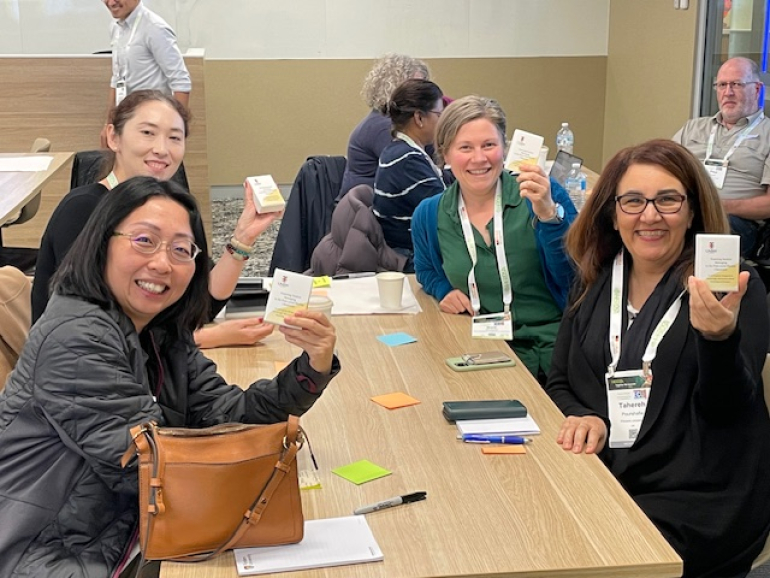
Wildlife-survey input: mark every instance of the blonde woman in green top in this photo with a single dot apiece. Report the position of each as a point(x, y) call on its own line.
point(456, 260)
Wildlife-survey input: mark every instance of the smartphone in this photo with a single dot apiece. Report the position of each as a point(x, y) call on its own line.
point(484, 409)
point(476, 361)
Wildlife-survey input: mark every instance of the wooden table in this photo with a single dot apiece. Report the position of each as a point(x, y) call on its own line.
point(546, 513)
point(18, 188)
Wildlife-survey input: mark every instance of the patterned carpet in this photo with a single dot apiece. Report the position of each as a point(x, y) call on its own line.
point(224, 215)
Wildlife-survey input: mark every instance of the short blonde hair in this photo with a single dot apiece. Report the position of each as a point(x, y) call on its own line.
point(462, 111)
point(387, 73)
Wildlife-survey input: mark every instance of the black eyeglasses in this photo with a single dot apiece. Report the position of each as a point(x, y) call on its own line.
point(668, 203)
point(436, 112)
point(736, 86)
point(182, 250)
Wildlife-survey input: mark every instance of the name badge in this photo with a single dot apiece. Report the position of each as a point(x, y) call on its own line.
point(627, 395)
point(120, 91)
point(492, 326)
point(717, 170)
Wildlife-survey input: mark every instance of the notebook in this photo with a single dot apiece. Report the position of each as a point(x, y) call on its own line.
point(328, 542)
point(504, 426)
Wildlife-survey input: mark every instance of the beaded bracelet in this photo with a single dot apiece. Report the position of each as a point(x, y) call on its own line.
point(236, 253)
point(242, 247)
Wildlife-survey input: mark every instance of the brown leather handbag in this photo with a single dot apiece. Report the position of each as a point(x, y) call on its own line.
point(204, 491)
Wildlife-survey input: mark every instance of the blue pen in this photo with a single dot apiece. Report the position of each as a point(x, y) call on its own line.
point(489, 439)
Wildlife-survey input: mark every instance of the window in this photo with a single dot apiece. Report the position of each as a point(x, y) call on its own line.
point(731, 28)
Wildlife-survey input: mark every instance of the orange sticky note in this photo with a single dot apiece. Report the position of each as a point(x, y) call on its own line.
point(499, 450)
point(395, 400)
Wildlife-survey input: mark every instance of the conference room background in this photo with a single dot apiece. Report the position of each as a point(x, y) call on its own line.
point(283, 79)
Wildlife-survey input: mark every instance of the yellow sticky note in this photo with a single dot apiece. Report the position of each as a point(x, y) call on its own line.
point(361, 472)
point(500, 450)
point(395, 400)
point(324, 281)
point(309, 480)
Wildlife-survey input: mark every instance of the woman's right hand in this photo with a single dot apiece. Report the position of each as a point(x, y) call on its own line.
point(314, 333)
point(456, 302)
point(578, 432)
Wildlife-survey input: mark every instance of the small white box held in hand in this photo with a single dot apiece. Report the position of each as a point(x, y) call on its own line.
point(391, 287)
point(289, 293)
point(717, 259)
point(267, 196)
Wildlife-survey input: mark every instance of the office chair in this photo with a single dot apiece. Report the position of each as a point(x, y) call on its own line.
point(87, 166)
point(24, 258)
point(308, 213)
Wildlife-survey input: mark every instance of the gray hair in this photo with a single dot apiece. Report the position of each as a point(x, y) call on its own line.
point(387, 73)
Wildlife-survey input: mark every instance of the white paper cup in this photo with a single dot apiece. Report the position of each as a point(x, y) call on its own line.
point(543, 156)
point(391, 286)
point(321, 303)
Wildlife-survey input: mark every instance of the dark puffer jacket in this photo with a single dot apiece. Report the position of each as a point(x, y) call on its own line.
point(67, 508)
point(356, 242)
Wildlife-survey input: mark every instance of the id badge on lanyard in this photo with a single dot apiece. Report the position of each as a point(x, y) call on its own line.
point(629, 390)
point(120, 91)
point(493, 325)
point(627, 395)
point(121, 86)
point(717, 170)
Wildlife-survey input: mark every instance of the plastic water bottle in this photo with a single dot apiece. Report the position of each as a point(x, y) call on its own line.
point(565, 139)
point(576, 187)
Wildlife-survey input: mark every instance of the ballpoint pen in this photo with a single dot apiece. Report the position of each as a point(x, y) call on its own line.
point(397, 501)
point(355, 275)
point(492, 439)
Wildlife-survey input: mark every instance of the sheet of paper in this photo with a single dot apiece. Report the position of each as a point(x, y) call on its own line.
point(24, 164)
point(329, 542)
point(512, 426)
point(360, 296)
point(394, 339)
point(361, 472)
point(525, 149)
point(395, 400)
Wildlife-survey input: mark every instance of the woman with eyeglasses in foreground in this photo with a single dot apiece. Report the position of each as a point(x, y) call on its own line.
point(147, 137)
point(659, 376)
point(114, 349)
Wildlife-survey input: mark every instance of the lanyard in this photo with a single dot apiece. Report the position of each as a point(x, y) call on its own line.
point(616, 317)
point(741, 137)
point(470, 242)
point(408, 140)
point(124, 68)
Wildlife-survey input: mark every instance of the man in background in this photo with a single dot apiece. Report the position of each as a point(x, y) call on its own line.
point(734, 146)
point(145, 55)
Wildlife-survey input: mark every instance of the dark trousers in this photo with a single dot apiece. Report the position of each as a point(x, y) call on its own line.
point(747, 230)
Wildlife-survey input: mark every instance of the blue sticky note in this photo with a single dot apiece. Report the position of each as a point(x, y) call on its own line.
point(394, 339)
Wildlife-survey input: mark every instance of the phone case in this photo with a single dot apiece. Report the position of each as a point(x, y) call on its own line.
point(484, 409)
point(490, 362)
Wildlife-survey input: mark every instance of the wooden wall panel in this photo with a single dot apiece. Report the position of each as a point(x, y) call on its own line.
point(64, 99)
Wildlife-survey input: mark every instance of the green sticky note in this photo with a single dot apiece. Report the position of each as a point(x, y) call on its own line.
point(361, 472)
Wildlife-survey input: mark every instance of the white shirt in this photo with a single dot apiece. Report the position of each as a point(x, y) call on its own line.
point(153, 60)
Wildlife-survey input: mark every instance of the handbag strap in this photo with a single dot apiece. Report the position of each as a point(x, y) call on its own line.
point(253, 515)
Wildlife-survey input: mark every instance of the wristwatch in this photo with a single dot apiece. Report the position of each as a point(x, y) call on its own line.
point(557, 218)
